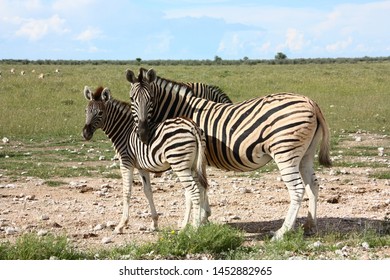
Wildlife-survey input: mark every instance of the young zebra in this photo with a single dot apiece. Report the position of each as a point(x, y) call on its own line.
point(245, 136)
point(176, 143)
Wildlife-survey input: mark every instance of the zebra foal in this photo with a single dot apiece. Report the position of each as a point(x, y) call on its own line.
point(176, 143)
point(285, 127)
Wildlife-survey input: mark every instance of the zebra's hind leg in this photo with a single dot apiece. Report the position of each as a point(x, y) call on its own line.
point(205, 209)
point(306, 168)
point(192, 194)
point(127, 181)
point(145, 177)
point(293, 180)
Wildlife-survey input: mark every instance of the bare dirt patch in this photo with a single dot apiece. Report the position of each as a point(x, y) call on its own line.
point(86, 209)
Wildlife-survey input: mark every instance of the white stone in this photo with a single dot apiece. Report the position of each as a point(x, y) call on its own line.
point(106, 240)
point(10, 230)
point(42, 232)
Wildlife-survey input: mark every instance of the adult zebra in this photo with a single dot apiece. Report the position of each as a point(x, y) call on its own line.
point(177, 143)
point(245, 136)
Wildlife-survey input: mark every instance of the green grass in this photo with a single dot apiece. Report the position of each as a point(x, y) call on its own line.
point(33, 247)
point(44, 118)
point(352, 96)
point(213, 240)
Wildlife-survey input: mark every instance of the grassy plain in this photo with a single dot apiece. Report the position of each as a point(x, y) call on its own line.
point(352, 96)
point(43, 119)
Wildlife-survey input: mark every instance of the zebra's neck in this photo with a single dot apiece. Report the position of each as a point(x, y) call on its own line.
point(170, 92)
point(119, 123)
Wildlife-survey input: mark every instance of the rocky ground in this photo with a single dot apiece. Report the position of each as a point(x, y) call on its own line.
point(87, 209)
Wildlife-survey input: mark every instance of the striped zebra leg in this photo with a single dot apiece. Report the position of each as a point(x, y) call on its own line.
point(127, 181)
point(205, 209)
point(306, 168)
point(145, 177)
point(293, 180)
point(194, 198)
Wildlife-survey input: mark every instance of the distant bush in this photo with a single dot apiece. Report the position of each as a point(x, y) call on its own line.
point(280, 58)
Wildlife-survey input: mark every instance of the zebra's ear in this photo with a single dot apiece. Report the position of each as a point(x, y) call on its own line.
point(130, 76)
point(106, 94)
point(151, 75)
point(88, 93)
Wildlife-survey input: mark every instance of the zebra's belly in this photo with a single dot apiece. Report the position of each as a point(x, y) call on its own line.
point(154, 167)
point(231, 161)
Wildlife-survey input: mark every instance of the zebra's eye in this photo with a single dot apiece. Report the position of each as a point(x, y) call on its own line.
point(100, 113)
point(131, 99)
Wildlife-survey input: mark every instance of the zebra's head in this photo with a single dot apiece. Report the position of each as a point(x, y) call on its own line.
point(142, 100)
point(96, 110)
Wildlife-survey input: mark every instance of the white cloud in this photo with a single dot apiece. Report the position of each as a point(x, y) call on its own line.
point(339, 45)
point(159, 43)
point(241, 43)
point(35, 29)
point(294, 39)
point(89, 34)
point(65, 6)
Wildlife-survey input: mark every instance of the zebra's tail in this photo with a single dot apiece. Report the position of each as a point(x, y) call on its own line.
point(324, 153)
point(201, 158)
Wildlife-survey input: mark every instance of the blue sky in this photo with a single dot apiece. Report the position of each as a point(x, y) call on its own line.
point(192, 29)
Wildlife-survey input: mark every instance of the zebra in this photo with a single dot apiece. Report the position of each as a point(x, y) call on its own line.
point(200, 90)
point(177, 143)
point(285, 127)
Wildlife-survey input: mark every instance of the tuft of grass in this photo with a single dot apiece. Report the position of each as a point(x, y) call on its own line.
point(53, 183)
point(33, 247)
point(210, 239)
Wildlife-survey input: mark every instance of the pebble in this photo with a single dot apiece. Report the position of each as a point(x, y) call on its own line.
point(102, 158)
point(111, 224)
point(234, 217)
point(44, 217)
point(42, 232)
point(5, 140)
point(10, 230)
point(99, 227)
point(365, 245)
point(30, 197)
point(317, 244)
point(106, 240)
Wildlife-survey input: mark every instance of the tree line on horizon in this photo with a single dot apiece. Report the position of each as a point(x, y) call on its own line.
point(280, 58)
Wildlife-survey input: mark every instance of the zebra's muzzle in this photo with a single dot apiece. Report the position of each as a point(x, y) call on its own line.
point(143, 132)
point(87, 132)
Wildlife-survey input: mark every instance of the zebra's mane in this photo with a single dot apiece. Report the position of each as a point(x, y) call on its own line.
point(123, 106)
point(143, 71)
point(96, 95)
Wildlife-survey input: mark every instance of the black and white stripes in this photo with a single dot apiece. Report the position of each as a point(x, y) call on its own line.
point(176, 143)
point(245, 136)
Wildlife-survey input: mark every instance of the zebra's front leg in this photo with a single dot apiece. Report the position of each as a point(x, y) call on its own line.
point(127, 181)
point(145, 177)
point(293, 180)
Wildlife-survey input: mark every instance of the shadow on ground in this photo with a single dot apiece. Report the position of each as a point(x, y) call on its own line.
point(263, 230)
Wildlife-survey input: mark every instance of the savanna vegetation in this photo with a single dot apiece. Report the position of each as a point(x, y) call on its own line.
point(44, 118)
